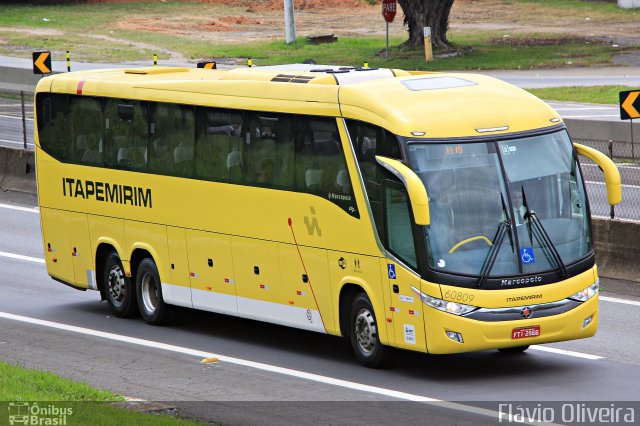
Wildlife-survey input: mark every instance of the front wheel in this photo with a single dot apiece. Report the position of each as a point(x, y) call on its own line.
point(149, 293)
point(363, 333)
point(118, 287)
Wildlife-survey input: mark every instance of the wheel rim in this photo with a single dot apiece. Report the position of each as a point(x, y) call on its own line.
point(149, 291)
point(366, 331)
point(116, 285)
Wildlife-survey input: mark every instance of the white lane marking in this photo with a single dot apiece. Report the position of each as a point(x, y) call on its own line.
point(15, 118)
point(259, 366)
point(15, 142)
point(22, 209)
point(584, 108)
point(591, 116)
point(567, 353)
point(618, 165)
point(602, 183)
point(21, 257)
point(623, 301)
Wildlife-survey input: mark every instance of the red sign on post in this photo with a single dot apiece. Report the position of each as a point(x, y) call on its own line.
point(389, 10)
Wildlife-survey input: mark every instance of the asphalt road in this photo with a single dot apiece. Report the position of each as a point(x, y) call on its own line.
point(269, 374)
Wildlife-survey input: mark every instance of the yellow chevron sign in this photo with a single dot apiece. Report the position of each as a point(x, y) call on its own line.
point(42, 62)
point(629, 104)
point(208, 65)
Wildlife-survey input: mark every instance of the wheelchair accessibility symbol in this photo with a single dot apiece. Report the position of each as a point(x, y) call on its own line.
point(392, 271)
point(527, 256)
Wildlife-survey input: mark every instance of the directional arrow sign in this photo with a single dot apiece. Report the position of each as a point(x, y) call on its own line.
point(629, 104)
point(42, 62)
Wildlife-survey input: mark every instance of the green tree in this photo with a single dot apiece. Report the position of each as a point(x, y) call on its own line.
point(427, 13)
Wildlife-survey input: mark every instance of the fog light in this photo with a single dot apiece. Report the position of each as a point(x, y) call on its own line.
point(586, 322)
point(455, 336)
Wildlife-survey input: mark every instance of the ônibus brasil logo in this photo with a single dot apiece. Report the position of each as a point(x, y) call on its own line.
point(27, 413)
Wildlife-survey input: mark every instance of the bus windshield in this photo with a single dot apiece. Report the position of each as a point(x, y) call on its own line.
point(527, 189)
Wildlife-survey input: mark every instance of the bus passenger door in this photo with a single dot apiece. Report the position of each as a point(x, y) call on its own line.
point(406, 311)
point(213, 286)
point(306, 287)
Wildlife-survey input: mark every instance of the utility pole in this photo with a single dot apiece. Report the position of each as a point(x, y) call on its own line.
point(289, 22)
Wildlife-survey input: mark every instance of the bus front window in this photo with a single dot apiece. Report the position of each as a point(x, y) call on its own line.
point(540, 207)
point(468, 202)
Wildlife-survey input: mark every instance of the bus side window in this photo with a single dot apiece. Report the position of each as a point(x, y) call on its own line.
point(86, 130)
point(126, 134)
point(368, 141)
point(269, 150)
point(218, 135)
point(53, 128)
point(171, 139)
point(399, 223)
point(321, 167)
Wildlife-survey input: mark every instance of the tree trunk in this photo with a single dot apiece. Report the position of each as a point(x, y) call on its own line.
point(427, 13)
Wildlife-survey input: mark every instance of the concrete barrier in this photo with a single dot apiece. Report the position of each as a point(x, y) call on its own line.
point(617, 246)
point(17, 170)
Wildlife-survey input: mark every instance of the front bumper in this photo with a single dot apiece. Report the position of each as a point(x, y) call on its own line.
point(481, 335)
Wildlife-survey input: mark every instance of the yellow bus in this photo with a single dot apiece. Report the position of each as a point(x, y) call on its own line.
point(439, 213)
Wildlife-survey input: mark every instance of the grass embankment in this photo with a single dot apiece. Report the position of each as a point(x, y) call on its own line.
point(97, 33)
point(89, 406)
point(590, 94)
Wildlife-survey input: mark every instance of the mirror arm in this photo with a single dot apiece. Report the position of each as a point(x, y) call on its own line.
point(415, 188)
point(611, 172)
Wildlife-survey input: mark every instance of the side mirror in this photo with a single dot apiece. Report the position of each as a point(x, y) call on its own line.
point(416, 190)
point(611, 174)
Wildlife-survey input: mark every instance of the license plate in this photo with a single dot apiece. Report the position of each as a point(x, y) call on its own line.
point(524, 332)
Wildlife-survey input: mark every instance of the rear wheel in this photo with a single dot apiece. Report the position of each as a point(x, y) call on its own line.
point(149, 293)
point(118, 288)
point(514, 350)
point(363, 333)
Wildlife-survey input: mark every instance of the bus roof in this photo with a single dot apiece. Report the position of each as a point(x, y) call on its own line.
point(430, 105)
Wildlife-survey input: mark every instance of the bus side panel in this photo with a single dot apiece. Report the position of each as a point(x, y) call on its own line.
point(406, 308)
point(211, 274)
point(152, 238)
point(57, 246)
point(257, 271)
point(107, 230)
point(81, 252)
point(176, 290)
point(363, 271)
point(312, 293)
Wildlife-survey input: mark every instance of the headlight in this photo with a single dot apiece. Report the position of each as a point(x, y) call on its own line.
point(587, 293)
point(444, 305)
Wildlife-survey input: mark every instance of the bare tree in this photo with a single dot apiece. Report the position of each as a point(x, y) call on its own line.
point(427, 13)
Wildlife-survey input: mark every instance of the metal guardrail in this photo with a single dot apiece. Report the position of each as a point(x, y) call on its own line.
point(626, 155)
point(16, 119)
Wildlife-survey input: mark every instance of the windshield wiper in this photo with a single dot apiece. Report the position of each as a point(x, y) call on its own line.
point(535, 227)
point(504, 228)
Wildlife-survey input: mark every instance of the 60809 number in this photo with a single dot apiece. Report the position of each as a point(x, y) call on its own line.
point(458, 296)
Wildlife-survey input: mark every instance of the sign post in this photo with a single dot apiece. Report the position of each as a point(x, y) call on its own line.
point(388, 13)
point(428, 50)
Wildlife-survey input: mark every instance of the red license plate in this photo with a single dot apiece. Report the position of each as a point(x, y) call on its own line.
point(524, 332)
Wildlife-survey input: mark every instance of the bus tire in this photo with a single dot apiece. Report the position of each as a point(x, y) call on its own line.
point(363, 333)
point(118, 289)
point(514, 350)
point(149, 293)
